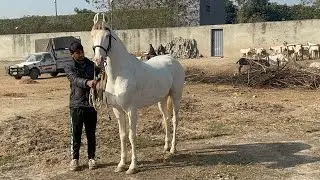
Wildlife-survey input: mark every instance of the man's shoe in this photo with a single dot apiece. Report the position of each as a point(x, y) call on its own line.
point(92, 164)
point(74, 165)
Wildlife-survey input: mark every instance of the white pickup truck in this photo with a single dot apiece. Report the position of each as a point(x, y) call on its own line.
point(39, 63)
point(50, 57)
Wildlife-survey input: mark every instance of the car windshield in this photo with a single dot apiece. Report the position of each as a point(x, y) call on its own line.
point(33, 58)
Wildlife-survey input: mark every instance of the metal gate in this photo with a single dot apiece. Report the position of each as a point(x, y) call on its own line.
point(217, 42)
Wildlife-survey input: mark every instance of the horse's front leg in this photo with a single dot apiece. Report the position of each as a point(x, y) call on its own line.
point(133, 116)
point(123, 135)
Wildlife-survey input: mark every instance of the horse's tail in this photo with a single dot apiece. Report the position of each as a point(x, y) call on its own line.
point(169, 106)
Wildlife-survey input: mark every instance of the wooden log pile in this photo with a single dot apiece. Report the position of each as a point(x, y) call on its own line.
point(288, 76)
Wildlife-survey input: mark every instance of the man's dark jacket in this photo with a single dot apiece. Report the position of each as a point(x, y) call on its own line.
point(152, 52)
point(78, 75)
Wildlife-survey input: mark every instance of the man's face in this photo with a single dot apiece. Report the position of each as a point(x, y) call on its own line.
point(78, 55)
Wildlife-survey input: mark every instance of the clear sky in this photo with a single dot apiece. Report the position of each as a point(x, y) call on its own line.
point(20, 8)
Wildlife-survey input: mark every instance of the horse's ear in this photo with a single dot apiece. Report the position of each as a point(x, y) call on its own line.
point(96, 18)
point(104, 18)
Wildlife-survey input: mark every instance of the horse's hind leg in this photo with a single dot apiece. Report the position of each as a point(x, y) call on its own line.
point(163, 108)
point(175, 120)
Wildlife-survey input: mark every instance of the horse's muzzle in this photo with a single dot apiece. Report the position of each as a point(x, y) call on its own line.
point(99, 60)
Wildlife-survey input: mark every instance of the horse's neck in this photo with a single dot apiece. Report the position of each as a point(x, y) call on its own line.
point(120, 62)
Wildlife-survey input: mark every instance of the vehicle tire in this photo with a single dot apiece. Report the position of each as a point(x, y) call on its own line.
point(34, 73)
point(7, 70)
point(18, 77)
point(54, 74)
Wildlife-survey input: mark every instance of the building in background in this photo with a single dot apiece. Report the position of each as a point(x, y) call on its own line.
point(212, 12)
point(204, 12)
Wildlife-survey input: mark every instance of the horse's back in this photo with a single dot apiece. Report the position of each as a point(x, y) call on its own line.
point(165, 61)
point(172, 66)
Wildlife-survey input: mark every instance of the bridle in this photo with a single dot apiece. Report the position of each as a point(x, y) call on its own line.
point(108, 49)
point(97, 98)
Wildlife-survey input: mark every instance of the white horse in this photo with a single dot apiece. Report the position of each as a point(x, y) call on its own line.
point(133, 84)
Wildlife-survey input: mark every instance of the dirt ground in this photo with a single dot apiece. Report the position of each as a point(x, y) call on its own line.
point(225, 132)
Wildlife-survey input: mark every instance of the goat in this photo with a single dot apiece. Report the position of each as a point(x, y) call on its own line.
point(261, 52)
point(306, 51)
point(246, 52)
point(245, 61)
point(278, 59)
point(314, 50)
point(277, 49)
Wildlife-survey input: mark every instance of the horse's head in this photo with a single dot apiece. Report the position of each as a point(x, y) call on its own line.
point(101, 36)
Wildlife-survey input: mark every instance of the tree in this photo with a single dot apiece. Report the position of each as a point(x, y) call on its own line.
point(81, 11)
point(100, 4)
point(278, 12)
point(300, 12)
point(231, 12)
point(307, 2)
point(251, 11)
point(133, 4)
point(185, 8)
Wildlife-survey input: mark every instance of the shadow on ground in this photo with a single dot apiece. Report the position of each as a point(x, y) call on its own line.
point(272, 155)
point(52, 77)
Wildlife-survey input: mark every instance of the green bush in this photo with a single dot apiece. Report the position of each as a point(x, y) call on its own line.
point(125, 19)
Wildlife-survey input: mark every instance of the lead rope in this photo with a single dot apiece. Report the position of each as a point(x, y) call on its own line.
point(97, 98)
point(92, 95)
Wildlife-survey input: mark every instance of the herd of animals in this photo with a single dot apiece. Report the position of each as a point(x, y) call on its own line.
point(272, 56)
point(279, 55)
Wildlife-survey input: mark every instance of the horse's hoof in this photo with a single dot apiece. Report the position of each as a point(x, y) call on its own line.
point(131, 171)
point(165, 150)
point(173, 151)
point(120, 169)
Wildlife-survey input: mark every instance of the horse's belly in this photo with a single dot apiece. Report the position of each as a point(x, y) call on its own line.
point(147, 100)
point(138, 100)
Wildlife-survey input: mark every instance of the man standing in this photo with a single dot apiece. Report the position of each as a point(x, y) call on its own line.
point(80, 74)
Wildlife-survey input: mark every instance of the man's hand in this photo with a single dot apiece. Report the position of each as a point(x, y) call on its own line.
point(92, 83)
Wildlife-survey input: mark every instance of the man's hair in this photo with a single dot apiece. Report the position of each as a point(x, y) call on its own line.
point(75, 46)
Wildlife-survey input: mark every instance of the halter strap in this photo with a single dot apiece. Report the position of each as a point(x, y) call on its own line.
point(107, 50)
